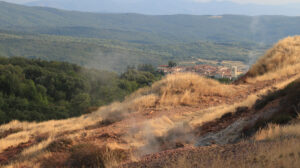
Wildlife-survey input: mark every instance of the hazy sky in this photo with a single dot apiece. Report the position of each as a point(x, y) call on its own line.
point(269, 2)
point(18, 1)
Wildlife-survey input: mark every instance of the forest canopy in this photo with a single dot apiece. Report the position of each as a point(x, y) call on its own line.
point(36, 90)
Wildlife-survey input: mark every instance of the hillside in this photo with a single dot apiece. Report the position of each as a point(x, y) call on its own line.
point(183, 120)
point(147, 29)
point(115, 55)
point(100, 54)
point(284, 54)
point(36, 90)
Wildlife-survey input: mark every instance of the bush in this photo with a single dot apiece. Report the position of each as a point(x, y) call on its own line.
point(57, 160)
point(86, 155)
point(60, 145)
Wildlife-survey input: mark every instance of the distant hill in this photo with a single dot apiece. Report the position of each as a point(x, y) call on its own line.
point(115, 55)
point(159, 7)
point(147, 29)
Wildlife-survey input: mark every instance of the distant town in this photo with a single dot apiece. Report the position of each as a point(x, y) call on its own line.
point(213, 69)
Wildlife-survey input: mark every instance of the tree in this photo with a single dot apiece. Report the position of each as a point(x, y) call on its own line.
point(172, 64)
point(146, 68)
point(3, 117)
point(81, 102)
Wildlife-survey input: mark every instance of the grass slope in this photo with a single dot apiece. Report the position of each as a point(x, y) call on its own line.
point(285, 53)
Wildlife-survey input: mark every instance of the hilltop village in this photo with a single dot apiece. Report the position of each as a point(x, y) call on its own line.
point(212, 70)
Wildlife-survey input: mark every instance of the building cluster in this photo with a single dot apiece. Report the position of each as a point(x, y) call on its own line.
point(204, 70)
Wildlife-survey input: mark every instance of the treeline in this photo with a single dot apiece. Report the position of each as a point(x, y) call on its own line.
point(36, 90)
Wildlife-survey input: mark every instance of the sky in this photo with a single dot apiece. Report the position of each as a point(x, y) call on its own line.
point(261, 2)
point(169, 7)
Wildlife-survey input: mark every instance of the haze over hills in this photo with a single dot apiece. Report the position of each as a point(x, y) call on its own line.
point(158, 7)
point(147, 29)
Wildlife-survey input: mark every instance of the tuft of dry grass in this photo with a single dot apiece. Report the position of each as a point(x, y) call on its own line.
point(272, 154)
point(188, 89)
point(174, 90)
point(52, 128)
point(213, 113)
point(180, 89)
point(55, 160)
point(86, 155)
point(60, 145)
point(90, 155)
point(282, 57)
point(274, 131)
point(285, 72)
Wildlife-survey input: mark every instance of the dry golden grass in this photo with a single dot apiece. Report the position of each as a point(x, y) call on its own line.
point(273, 132)
point(286, 71)
point(180, 89)
point(275, 146)
point(277, 131)
point(210, 114)
point(213, 113)
point(285, 53)
point(36, 149)
point(280, 148)
point(159, 127)
point(276, 154)
point(52, 128)
point(174, 90)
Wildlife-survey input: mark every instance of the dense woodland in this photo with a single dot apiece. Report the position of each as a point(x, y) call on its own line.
point(115, 55)
point(36, 90)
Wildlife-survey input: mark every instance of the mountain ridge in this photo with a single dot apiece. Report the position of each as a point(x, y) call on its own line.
point(171, 7)
point(147, 28)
